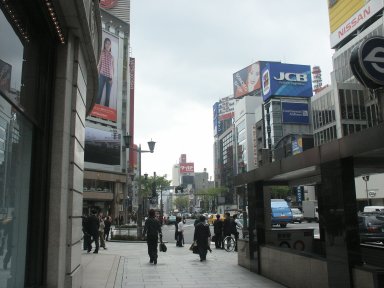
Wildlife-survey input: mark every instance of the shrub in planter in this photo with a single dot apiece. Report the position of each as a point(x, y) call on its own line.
point(124, 237)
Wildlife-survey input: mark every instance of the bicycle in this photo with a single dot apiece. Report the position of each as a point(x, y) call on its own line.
point(229, 243)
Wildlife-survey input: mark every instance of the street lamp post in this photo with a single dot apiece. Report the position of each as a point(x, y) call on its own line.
point(366, 179)
point(151, 146)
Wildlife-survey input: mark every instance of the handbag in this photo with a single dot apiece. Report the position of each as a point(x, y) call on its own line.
point(194, 248)
point(162, 247)
point(213, 238)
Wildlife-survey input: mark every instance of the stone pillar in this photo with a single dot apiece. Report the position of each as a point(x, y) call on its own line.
point(256, 212)
point(338, 216)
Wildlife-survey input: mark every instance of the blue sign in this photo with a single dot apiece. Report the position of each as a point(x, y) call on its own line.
point(279, 79)
point(295, 113)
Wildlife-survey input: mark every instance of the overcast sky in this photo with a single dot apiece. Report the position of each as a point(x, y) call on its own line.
point(186, 52)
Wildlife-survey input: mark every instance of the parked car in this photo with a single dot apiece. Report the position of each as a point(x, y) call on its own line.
point(371, 226)
point(171, 220)
point(297, 215)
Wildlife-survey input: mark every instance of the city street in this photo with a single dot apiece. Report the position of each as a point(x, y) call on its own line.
point(169, 230)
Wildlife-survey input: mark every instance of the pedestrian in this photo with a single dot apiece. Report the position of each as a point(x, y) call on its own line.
point(107, 229)
point(197, 221)
point(202, 237)
point(92, 228)
point(152, 230)
point(218, 230)
point(236, 223)
point(180, 232)
point(227, 226)
point(101, 232)
point(177, 231)
point(87, 236)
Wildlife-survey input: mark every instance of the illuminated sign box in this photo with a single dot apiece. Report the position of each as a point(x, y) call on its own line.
point(279, 79)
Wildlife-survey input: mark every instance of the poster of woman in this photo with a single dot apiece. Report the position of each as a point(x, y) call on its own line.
point(106, 98)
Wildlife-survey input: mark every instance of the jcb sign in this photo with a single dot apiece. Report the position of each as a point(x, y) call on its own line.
point(293, 77)
point(281, 79)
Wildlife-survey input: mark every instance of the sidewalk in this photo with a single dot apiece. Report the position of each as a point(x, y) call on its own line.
point(127, 265)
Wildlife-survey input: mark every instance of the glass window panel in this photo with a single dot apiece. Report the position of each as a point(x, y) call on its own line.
point(14, 194)
point(11, 61)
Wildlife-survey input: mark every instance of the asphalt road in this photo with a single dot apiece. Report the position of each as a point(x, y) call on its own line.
point(169, 230)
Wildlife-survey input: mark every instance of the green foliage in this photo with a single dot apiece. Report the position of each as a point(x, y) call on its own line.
point(210, 195)
point(147, 184)
point(280, 192)
point(181, 202)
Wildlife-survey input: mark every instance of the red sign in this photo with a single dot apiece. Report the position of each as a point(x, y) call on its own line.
point(108, 4)
point(187, 168)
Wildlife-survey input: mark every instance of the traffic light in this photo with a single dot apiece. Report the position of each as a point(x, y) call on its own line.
point(179, 188)
point(154, 194)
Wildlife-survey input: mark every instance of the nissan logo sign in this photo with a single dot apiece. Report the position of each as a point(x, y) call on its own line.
point(367, 62)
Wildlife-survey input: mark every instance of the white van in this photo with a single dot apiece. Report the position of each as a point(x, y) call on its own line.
point(374, 209)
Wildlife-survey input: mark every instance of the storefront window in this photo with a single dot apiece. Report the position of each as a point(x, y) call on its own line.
point(15, 161)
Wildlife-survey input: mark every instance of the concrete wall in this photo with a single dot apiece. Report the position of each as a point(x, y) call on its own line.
point(293, 269)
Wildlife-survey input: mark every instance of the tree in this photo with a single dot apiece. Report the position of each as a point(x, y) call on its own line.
point(280, 192)
point(153, 184)
point(209, 197)
point(181, 202)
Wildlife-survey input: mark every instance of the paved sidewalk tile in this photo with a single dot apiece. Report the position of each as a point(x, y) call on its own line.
point(178, 267)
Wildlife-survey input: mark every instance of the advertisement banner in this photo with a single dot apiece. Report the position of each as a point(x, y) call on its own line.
point(106, 98)
point(102, 147)
point(295, 113)
point(226, 108)
point(279, 79)
point(187, 168)
point(297, 145)
point(346, 16)
point(246, 80)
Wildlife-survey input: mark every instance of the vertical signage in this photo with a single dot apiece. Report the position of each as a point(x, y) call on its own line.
point(299, 194)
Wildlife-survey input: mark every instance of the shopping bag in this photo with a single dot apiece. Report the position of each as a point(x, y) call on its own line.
point(162, 247)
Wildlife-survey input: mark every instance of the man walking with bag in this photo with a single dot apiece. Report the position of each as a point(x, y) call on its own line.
point(152, 230)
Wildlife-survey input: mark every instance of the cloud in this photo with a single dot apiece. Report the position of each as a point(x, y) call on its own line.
point(186, 52)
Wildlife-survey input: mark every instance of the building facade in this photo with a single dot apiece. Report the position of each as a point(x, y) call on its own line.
point(48, 80)
point(107, 182)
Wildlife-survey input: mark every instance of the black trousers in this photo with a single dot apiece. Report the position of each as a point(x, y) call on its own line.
point(179, 239)
point(152, 247)
point(219, 240)
point(95, 238)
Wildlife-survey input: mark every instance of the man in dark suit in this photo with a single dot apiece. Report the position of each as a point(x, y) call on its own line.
point(218, 230)
point(201, 236)
point(92, 228)
point(152, 229)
